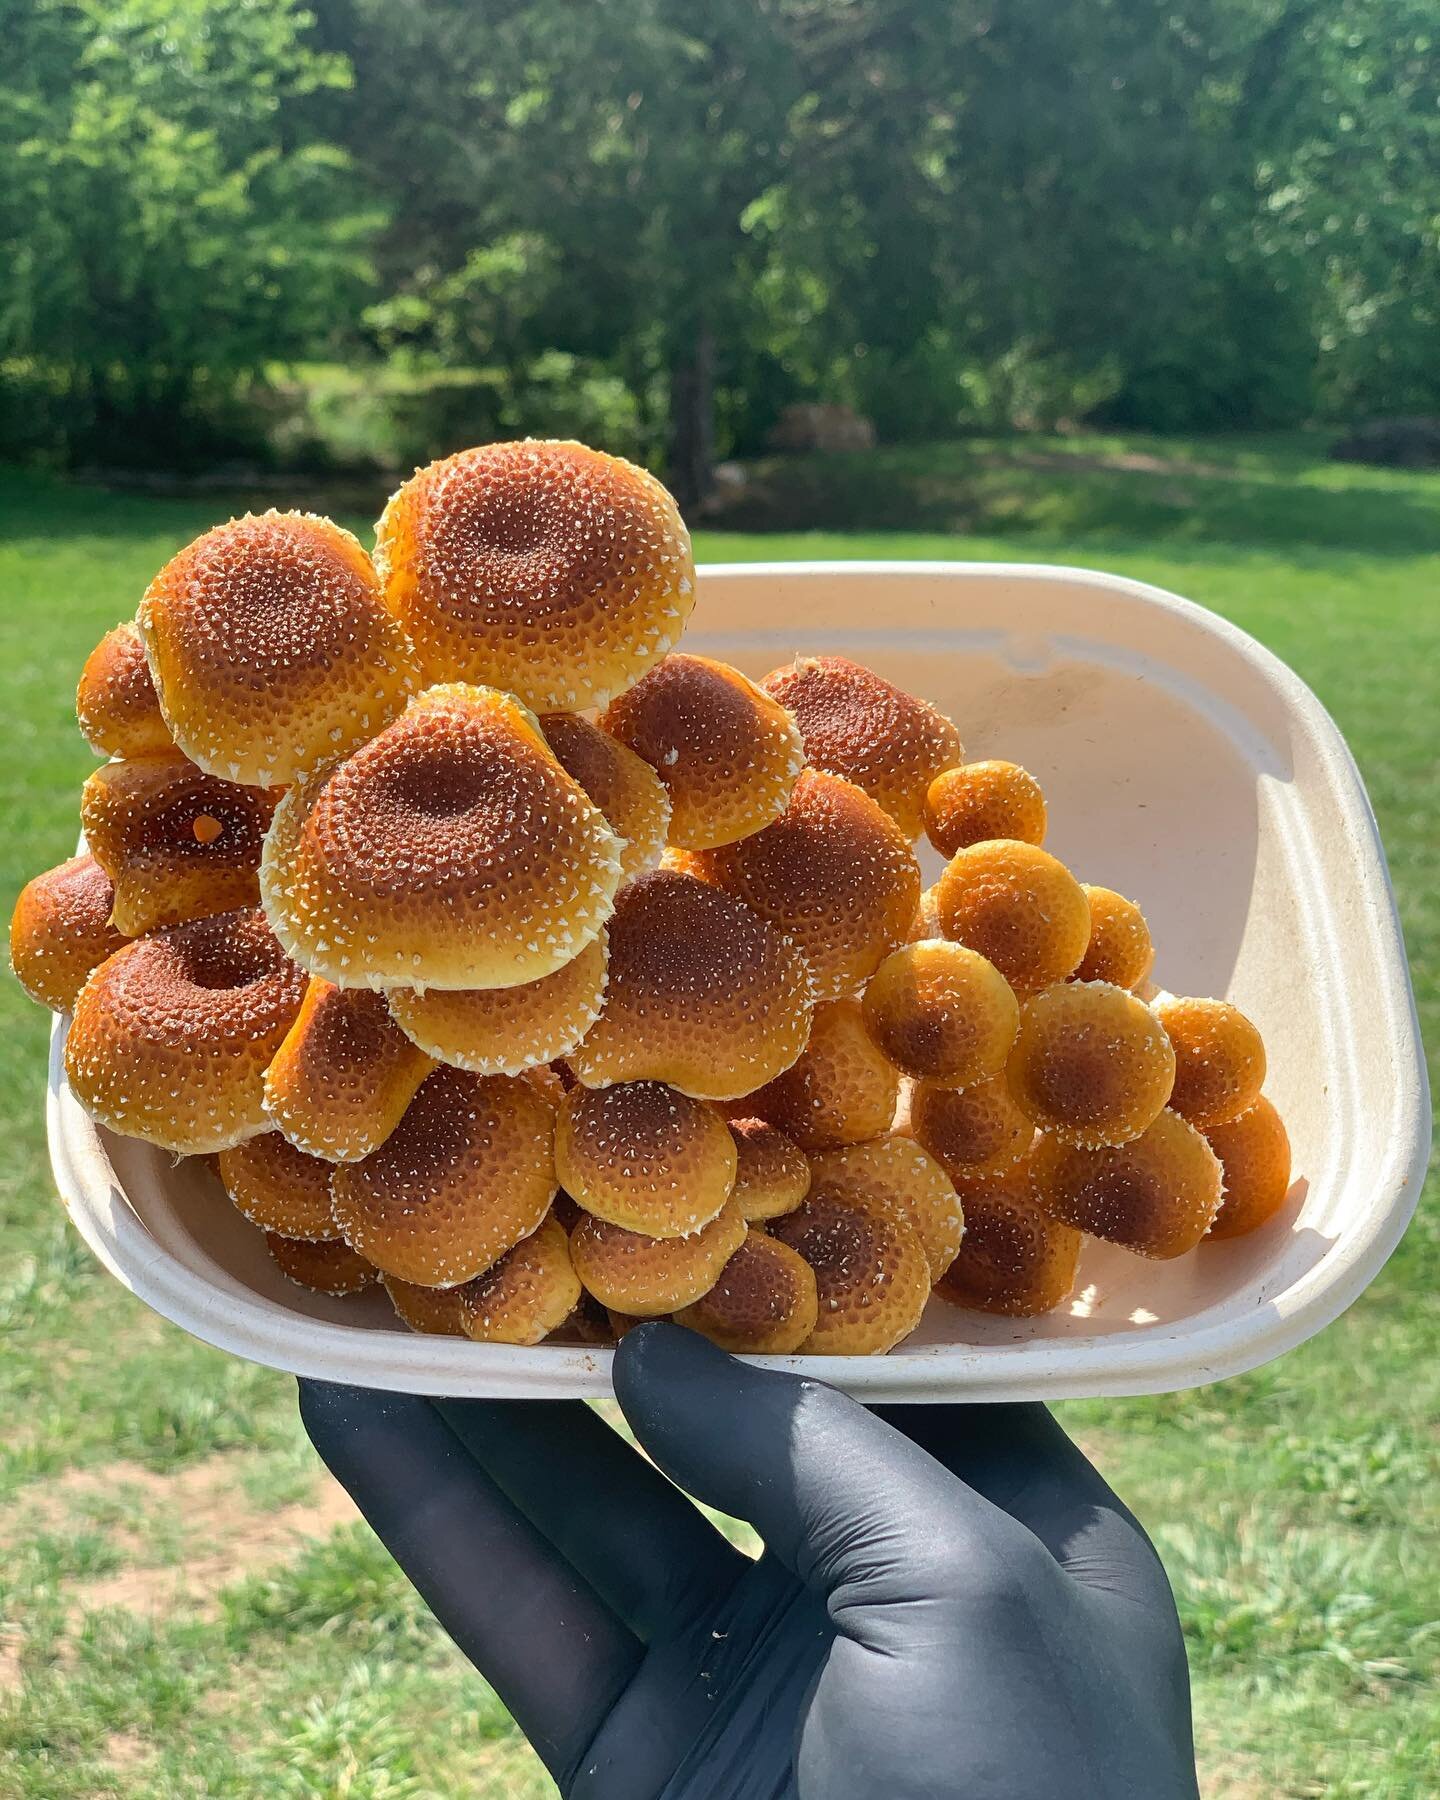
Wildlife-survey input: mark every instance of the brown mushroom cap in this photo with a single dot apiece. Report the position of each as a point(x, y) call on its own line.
point(529, 1293)
point(172, 1035)
point(727, 753)
point(763, 1302)
point(1015, 1259)
point(983, 800)
point(432, 1311)
point(1254, 1152)
point(115, 702)
point(329, 1266)
point(895, 1175)
point(941, 1012)
point(278, 1187)
point(971, 1132)
point(856, 724)
point(450, 851)
point(703, 993)
point(623, 785)
point(342, 1079)
point(648, 1277)
point(1018, 905)
point(1090, 1062)
point(1120, 950)
point(871, 1277)
point(467, 1173)
point(772, 1175)
point(1157, 1195)
point(505, 1031)
point(834, 873)
point(841, 1090)
point(60, 931)
point(1219, 1059)
point(645, 1156)
point(177, 843)
point(272, 649)
point(549, 569)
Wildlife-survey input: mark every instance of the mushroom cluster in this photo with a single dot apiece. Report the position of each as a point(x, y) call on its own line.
point(551, 979)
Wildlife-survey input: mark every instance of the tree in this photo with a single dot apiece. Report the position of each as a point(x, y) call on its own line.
point(171, 222)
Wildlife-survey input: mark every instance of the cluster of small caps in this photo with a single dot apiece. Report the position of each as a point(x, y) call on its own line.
point(552, 978)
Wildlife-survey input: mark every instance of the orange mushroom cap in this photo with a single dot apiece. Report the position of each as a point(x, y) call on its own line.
point(649, 1277)
point(971, 1132)
point(1015, 1259)
point(115, 701)
point(328, 1266)
point(840, 1091)
point(941, 1012)
point(1219, 1059)
point(727, 753)
point(645, 1156)
point(983, 800)
point(176, 843)
point(467, 1173)
point(60, 931)
point(546, 568)
point(856, 724)
point(763, 1302)
point(279, 1188)
point(450, 851)
point(871, 1277)
point(271, 648)
point(623, 785)
point(834, 873)
point(1120, 950)
point(1090, 1062)
point(172, 1034)
point(1157, 1195)
point(1017, 905)
point(772, 1174)
point(1254, 1152)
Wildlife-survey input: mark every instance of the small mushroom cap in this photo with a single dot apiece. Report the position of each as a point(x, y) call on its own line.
point(871, 1277)
point(1254, 1152)
point(467, 1173)
point(329, 1266)
point(172, 1034)
point(279, 1188)
point(841, 1091)
point(834, 873)
point(1015, 1259)
point(926, 923)
point(856, 724)
point(971, 1132)
point(772, 1174)
point(645, 1156)
point(271, 647)
point(1017, 905)
point(983, 800)
point(549, 569)
point(1219, 1059)
point(727, 753)
point(115, 702)
point(903, 1181)
point(506, 1031)
point(60, 931)
point(703, 994)
point(1157, 1195)
point(648, 1277)
point(432, 1311)
point(623, 785)
point(941, 1012)
point(1090, 1062)
point(529, 1293)
point(451, 851)
point(177, 843)
point(342, 1079)
point(1120, 950)
point(764, 1301)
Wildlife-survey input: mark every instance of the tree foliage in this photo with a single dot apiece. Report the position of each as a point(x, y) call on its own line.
point(1175, 213)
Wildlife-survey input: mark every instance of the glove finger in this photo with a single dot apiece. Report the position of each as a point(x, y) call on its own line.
point(549, 1646)
point(648, 1552)
point(1020, 1458)
point(855, 1509)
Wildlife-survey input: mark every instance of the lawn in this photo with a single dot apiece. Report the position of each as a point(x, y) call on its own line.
point(186, 1608)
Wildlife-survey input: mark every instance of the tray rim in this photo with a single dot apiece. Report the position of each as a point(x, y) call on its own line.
point(1160, 1358)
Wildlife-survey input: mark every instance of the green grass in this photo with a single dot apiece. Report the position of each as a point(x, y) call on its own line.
point(1296, 1506)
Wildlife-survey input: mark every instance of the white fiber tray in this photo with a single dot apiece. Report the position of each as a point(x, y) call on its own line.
point(1185, 766)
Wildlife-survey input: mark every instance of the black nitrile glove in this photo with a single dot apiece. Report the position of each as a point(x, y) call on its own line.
point(951, 1601)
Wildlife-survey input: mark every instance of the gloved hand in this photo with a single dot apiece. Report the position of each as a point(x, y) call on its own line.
point(951, 1602)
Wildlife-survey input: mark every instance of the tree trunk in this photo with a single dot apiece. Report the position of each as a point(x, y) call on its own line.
point(690, 453)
